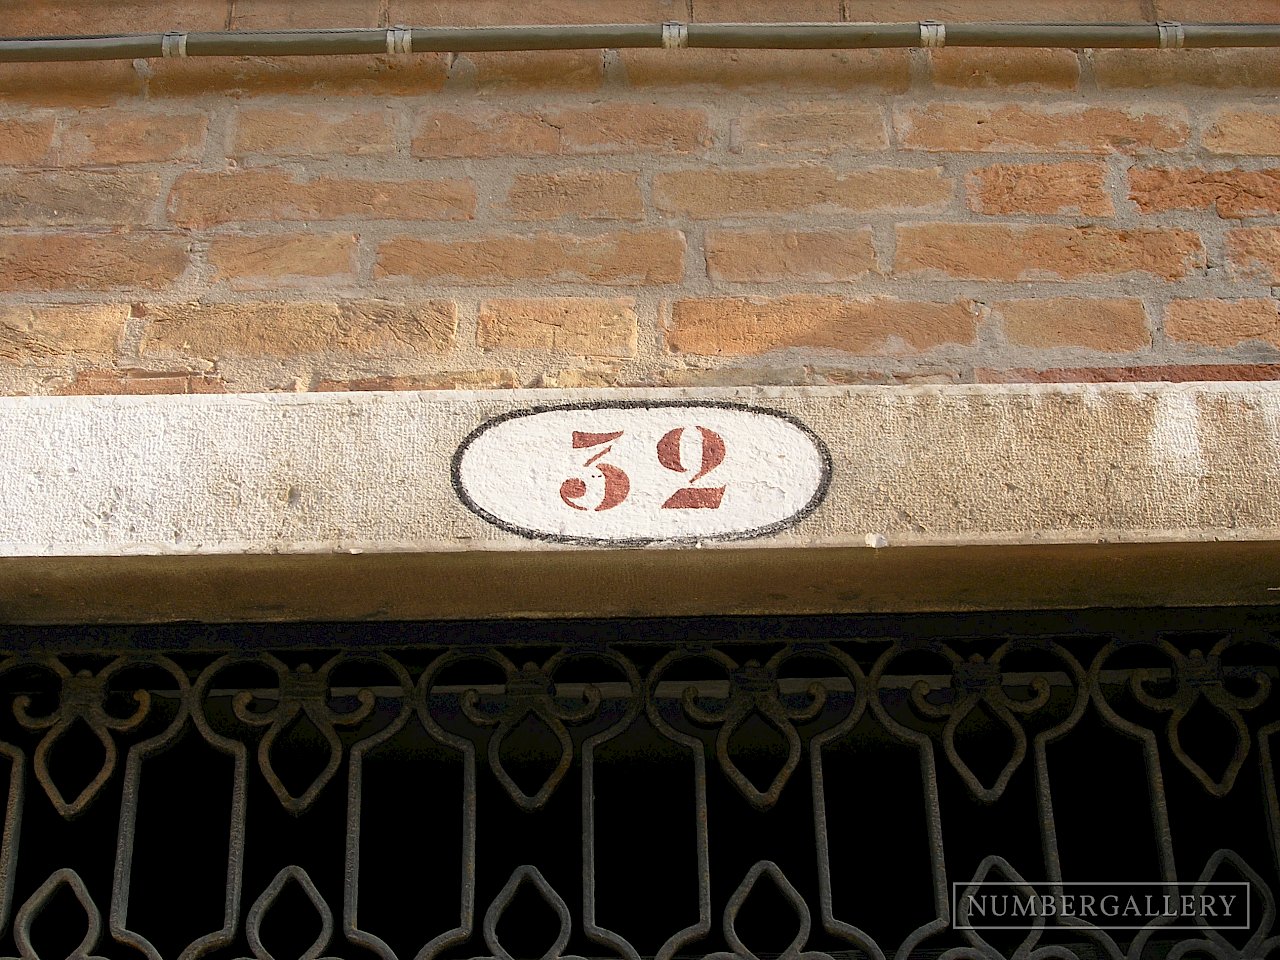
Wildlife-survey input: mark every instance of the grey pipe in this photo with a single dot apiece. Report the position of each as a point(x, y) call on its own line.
point(788, 36)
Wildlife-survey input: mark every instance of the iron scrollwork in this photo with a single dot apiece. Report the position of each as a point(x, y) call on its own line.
point(536, 750)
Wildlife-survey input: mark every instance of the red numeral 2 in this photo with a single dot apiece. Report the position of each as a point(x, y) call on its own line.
point(691, 497)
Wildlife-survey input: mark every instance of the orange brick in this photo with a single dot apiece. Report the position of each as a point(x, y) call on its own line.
point(24, 142)
point(255, 261)
point(739, 326)
point(76, 85)
point(1113, 326)
point(714, 193)
point(116, 136)
point(449, 380)
point(815, 127)
point(627, 259)
point(1215, 11)
point(975, 11)
point(1045, 188)
point(73, 262)
point(288, 15)
point(90, 17)
point(363, 327)
point(1255, 253)
point(1223, 323)
point(1152, 69)
point(1060, 129)
point(1006, 252)
point(1244, 131)
point(771, 256)
point(36, 336)
point(577, 325)
point(314, 132)
point(885, 71)
point(1168, 373)
point(134, 382)
point(766, 11)
point(203, 199)
point(340, 76)
point(602, 128)
point(77, 197)
point(1231, 193)
point(973, 68)
point(590, 194)
point(516, 71)
point(487, 13)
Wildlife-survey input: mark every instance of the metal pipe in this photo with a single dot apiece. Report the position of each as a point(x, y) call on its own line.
point(779, 36)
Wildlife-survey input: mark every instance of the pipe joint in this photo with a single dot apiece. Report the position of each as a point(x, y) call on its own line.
point(173, 44)
point(933, 35)
point(399, 40)
point(675, 35)
point(1172, 36)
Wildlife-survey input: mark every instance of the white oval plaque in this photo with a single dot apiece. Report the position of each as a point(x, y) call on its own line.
point(629, 473)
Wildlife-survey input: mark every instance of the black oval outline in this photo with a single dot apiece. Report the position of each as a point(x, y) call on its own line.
point(824, 480)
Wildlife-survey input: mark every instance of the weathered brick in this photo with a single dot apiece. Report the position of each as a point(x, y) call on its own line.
point(714, 193)
point(1032, 252)
point(885, 71)
point(76, 85)
point(974, 68)
point(203, 199)
point(340, 76)
point(600, 128)
point(1215, 11)
point(43, 18)
point(1153, 69)
point(364, 327)
point(77, 197)
point(37, 336)
point(1044, 188)
point(1223, 323)
point(314, 132)
point(1247, 131)
point(284, 15)
point(1255, 253)
point(1232, 193)
point(771, 256)
point(1040, 129)
point(801, 376)
point(582, 326)
point(133, 382)
point(815, 128)
point(119, 136)
point(486, 13)
point(255, 261)
point(25, 141)
point(591, 194)
point(738, 326)
point(447, 380)
point(641, 257)
point(518, 71)
point(961, 11)
point(767, 11)
point(1112, 326)
point(577, 378)
point(105, 262)
point(1169, 373)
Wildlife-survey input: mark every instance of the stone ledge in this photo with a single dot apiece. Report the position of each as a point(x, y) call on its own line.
point(288, 506)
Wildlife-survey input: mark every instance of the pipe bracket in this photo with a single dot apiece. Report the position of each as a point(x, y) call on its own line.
point(399, 40)
point(174, 44)
point(933, 34)
point(675, 35)
point(1172, 36)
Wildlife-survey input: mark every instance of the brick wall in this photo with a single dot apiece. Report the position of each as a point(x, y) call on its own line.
point(635, 217)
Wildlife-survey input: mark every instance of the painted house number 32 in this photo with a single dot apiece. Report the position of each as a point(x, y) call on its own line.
point(617, 483)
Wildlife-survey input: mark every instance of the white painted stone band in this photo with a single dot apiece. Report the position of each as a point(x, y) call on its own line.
point(309, 473)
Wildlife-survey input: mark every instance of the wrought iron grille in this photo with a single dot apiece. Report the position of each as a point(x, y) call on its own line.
point(804, 789)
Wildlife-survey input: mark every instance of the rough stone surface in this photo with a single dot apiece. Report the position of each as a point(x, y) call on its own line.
point(573, 325)
point(914, 466)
